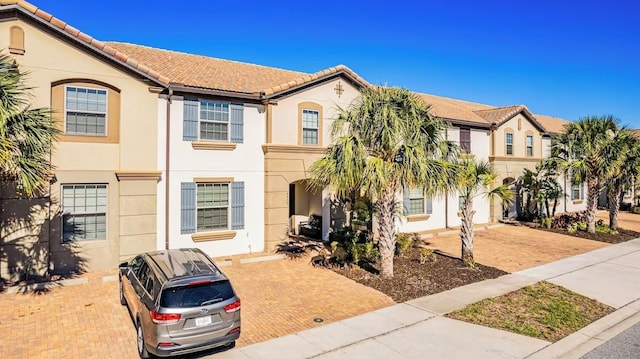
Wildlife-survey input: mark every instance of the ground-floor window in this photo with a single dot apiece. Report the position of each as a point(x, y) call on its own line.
point(84, 209)
point(577, 191)
point(415, 202)
point(212, 206)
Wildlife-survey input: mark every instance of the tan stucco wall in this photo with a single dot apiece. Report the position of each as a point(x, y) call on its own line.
point(49, 59)
point(520, 126)
point(290, 162)
point(506, 168)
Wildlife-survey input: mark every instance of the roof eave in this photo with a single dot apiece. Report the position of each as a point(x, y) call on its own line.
point(466, 122)
point(319, 79)
point(176, 87)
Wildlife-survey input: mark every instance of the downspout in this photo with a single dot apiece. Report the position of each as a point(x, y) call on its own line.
point(446, 191)
point(167, 164)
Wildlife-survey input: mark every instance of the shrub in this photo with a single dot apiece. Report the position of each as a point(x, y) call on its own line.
point(564, 220)
point(426, 254)
point(405, 241)
point(546, 222)
point(625, 206)
point(349, 247)
point(635, 209)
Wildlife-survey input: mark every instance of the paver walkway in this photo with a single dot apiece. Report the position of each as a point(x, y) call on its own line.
point(512, 248)
point(87, 321)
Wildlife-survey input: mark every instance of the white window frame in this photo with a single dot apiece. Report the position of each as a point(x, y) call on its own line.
point(414, 194)
point(228, 207)
point(66, 213)
point(526, 145)
point(580, 188)
point(317, 128)
point(507, 144)
point(106, 112)
point(227, 122)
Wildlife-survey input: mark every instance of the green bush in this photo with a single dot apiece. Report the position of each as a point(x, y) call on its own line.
point(635, 210)
point(546, 222)
point(404, 241)
point(348, 247)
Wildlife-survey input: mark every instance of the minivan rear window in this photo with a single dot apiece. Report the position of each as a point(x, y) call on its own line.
point(196, 295)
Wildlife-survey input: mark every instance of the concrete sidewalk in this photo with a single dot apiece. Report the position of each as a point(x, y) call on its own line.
point(417, 328)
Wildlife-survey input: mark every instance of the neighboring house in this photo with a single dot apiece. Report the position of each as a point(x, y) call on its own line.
point(164, 149)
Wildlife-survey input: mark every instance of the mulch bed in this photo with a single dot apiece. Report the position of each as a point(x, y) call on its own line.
point(412, 279)
point(622, 236)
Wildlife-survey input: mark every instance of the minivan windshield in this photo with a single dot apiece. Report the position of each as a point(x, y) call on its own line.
point(196, 295)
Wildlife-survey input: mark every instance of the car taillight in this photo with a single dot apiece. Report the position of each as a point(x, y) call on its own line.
point(166, 345)
point(234, 330)
point(164, 318)
point(235, 306)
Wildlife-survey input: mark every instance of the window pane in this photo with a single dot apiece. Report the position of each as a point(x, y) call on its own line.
point(509, 138)
point(416, 205)
point(309, 137)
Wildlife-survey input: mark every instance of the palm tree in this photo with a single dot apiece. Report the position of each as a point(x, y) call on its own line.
point(581, 152)
point(387, 140)
point(26, 134)
point(476, 179)
point(625, 156)
point(551, 190)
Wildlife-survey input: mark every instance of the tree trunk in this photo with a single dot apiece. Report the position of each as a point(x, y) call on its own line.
point(386, 229)
point(546, 205)
point(613, 197)
point(593, 186)
point(555, 205)
point(466, 232)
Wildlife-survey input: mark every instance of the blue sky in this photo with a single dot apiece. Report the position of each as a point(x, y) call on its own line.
point(562, 58)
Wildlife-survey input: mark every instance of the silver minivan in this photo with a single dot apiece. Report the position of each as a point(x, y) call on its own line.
point(180, 302)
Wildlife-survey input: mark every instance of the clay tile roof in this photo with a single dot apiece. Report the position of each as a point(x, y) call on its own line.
point(500, 114)
point(552, 124)
point(457, 110)
point(207, 72)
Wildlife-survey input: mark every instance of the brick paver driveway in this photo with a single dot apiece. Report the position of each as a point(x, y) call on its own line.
point(87, 321)
point(513, 248)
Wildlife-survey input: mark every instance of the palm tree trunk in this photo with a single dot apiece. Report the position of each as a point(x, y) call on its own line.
point(614, 204)
point(592, 203)
point(386, 229)
point(546, 205)
point(555, 205)
point(466, 232)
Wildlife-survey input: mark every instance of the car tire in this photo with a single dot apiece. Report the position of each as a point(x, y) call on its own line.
point(123, 301)
point(141, 345)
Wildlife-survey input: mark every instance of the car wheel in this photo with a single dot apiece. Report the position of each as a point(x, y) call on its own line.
point(142, 347)
point(123, 301)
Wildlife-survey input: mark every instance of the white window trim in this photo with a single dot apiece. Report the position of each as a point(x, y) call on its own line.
point(64, 212)
point(228, 122)
point(507, 144)
point(228, 207)
point(580, 188)
point(317, 128)
point(106, 112)
point(425, 206)
point(526, 146)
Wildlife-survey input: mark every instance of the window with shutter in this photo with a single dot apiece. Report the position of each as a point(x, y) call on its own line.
point(465, 139)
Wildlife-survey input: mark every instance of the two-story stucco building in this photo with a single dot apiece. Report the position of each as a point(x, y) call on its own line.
point(162, 149)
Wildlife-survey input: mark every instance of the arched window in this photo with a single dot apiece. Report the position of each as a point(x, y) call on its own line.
point(87, 110)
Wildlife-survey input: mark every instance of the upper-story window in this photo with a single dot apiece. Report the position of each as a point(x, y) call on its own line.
point(85, 111)
point(509, 143)
point(214, 121)
point(309, 124)
point(465, 139)
point(310, 127)
point(529, 144)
